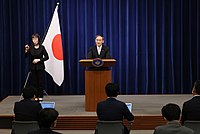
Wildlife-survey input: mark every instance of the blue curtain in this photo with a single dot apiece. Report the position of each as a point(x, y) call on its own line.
point(155, 42)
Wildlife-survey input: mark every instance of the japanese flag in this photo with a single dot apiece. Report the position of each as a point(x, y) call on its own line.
point(53, 44)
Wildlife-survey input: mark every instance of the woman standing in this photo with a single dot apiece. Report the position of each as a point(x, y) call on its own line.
point(38, 55)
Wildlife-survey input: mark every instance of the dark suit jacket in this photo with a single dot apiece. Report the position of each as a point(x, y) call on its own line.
point(173, 127)
point(104, 54)
point(43, 131)
point(39, 53)
point(191, 109)
point(112, 110)
point(27, 110)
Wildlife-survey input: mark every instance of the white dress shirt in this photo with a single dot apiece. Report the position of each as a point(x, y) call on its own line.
point(99, 49)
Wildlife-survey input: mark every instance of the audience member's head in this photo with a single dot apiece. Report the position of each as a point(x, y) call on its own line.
point(48, 117)
point(112, 90)
point(171, 112)
point(29, 92)
point(196, 88)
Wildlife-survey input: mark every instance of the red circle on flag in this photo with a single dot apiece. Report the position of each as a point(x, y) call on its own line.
point(57, 47)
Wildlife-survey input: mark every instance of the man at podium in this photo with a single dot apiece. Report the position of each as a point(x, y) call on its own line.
point(99, 50)
point(97, 73)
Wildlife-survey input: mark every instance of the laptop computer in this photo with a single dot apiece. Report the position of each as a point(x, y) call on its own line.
point(129, 105)
point(47, 104)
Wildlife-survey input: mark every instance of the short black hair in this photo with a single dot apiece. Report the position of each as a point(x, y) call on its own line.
point(112, 89)
point(29, 92)
point(99, 35)
point(171, 111)
point(35, 35)
point(197, 86)
point(47, 117)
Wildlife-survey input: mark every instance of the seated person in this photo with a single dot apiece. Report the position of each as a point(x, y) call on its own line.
point(48, 117)
point(191, 108)
point(112, 109)
point(171, 113)
point(27, 109)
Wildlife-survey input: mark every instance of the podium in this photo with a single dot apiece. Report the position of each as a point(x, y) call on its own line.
point(96, 79)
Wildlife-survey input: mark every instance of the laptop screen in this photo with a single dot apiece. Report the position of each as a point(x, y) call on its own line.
point(47, 104)
point(129, 105)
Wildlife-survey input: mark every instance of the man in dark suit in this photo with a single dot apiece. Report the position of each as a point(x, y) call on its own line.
point(27, 109)
point(48, 117)
point(99, 50)
point(191, 108)
point(171, 112)
point(112, 109)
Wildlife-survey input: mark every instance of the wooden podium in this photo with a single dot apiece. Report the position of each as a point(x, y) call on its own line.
point(96, 79)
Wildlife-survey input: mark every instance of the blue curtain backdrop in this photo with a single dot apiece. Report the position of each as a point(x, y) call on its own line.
point(155, 42)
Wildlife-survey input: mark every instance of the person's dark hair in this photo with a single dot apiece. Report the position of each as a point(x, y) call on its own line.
point(171, 112)
point(36, 35)
point(47, 117)
point(112, 90)
point(98, 36)
point(29, 92)
point(197, 86)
